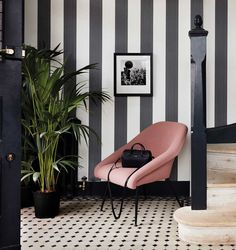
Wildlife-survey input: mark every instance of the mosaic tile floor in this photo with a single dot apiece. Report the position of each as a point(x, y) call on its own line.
point(81, 225)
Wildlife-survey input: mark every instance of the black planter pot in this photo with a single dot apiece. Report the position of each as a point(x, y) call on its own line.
point(46, 204)
point(26, 196)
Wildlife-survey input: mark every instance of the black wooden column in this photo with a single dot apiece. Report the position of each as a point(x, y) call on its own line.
point(198, 171)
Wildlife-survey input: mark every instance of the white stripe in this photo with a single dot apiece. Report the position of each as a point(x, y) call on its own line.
point(231, 112)
point(108, 48)
point(57, 27)
point(184, 87)
point(31, 22)
point(159, 60)
point(133, 103)
point(209, 24)
point(83, 60)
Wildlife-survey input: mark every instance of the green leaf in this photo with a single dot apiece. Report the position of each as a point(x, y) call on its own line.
point(42, 134)
point(26, 176)
point(36, 176)
point(56, 167)
point(24, 171)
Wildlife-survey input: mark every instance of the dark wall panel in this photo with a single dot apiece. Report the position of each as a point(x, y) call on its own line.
point(121, 43)
point(221, 62)
point(95, 82)
point(70, 35)
point(172, 66)
point(44, 30)
point(146, 47)
point(70, 40)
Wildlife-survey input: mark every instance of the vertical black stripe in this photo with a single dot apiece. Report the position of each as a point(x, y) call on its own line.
point(70, 36)
point(70, 145)
point(95, 81)
point(121, 43)
point(196, 9)
point(1, 26)
point(44, 31)
point(1, 117)
point(171, 60)
point(146, 47)
point(23, 21)
point(221, 62)
point(172, 66)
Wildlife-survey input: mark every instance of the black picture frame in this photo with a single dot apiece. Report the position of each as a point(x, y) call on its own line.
point(133, 74)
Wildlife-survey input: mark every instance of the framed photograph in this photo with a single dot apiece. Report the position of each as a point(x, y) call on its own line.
point(133, 74)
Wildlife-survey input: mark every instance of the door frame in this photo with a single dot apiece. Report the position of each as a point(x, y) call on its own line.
point(10, 143)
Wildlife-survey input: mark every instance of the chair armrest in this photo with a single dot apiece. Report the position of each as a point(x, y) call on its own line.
point(153, 165)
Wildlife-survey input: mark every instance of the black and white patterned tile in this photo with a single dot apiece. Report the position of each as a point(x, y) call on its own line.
point(81, 225)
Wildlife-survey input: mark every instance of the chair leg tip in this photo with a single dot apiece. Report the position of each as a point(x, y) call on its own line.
point(181, 203)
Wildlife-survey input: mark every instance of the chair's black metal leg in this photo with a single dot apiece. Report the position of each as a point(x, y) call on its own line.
point(181, 203)
point(104, 197)
point(112, 202)
point(136, 206)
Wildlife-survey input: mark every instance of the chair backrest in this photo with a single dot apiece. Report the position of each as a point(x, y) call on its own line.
point(165, 140)
point(161, 135)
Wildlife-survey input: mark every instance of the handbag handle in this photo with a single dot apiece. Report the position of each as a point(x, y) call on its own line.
point(141, 145)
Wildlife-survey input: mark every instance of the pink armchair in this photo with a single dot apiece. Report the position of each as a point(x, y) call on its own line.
point(164, 139)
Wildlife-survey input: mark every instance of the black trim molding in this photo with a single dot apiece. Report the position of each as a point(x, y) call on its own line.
point(14, 247)
point(222, 134)
point(159, 188)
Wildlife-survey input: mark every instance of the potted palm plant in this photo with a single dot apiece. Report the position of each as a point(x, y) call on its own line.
point(46, 117)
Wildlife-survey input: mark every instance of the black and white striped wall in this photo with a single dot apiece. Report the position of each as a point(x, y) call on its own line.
point(90, 31)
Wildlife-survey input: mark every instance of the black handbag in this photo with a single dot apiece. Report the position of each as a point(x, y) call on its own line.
point(136, 157)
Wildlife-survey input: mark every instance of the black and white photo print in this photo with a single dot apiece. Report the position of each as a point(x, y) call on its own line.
point(133, 74)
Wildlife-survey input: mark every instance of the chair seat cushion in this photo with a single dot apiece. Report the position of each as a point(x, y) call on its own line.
point(118, 175)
